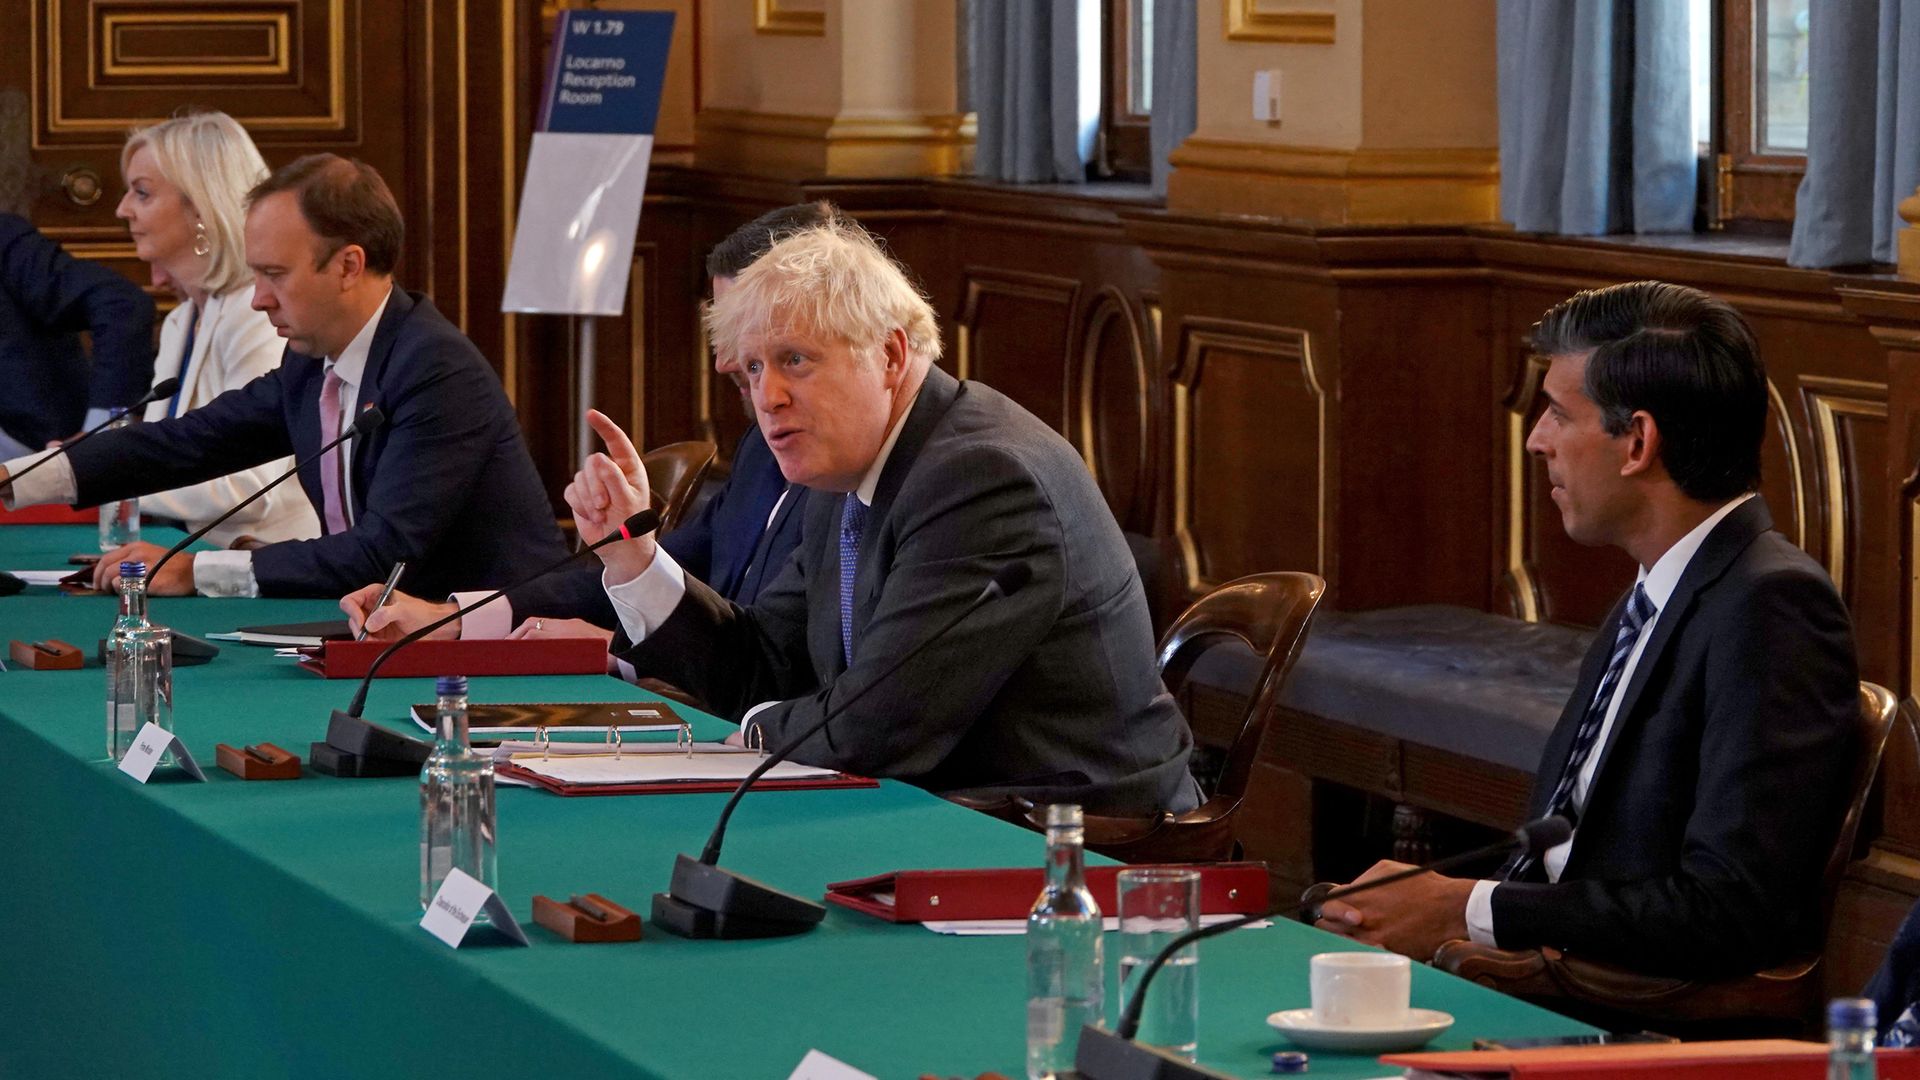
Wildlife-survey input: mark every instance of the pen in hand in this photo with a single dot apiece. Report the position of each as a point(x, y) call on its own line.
point(386, 594)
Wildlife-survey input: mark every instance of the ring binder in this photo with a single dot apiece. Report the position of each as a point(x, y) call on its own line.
point(542, 740)
point(755, 739)
point(614, 740)
point(684, 738)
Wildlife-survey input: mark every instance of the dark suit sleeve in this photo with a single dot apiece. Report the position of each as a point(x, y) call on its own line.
point(989, 511)
point(1776, 747)
point(691, 544)
point(74, 295)
point(239, 429)
point(573, 593)
point(437, 442)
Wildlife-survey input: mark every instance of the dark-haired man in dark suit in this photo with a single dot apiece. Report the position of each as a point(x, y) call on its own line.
point(1705, 754)
point(445, 485)
point(47, 299)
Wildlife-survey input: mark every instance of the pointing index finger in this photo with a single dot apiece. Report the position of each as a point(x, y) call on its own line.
point(619, 447)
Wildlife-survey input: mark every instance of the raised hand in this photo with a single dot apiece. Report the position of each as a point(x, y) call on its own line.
point(609, 489)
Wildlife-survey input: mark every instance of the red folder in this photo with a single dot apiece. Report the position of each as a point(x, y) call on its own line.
point(918, 895)
point(54, 514)
point(529, 656)
point(680, 787)
point(1748, 1059)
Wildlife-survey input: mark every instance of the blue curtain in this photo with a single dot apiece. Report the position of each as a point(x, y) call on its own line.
point(1596, 132)
point(1863, 130)
point(1030, 88)
point(1176, 82)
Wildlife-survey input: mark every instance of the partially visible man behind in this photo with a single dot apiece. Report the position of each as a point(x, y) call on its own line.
point(1050, 693)
point(739, 539)
point(1704, 756)
point(47, 300)
point(446, 484)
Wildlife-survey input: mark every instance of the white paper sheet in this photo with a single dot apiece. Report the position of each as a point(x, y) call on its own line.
point(646, 768)
point(41, 577)
point(999, 927)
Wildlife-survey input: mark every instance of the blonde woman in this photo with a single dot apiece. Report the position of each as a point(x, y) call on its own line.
point(187, 182)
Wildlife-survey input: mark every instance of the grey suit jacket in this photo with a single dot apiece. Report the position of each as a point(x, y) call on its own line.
point(1025, 695)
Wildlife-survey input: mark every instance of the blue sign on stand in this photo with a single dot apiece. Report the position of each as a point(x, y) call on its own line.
point(606, 73)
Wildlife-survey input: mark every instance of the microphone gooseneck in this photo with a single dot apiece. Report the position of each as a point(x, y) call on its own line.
point(1009, 580)
point(370, 420)
point(163, 388)
point(639, 524)
point(1535, 836)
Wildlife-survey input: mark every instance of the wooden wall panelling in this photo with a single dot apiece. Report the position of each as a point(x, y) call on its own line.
point(1015, 332)
point(1803, 334)
point(1111, 391)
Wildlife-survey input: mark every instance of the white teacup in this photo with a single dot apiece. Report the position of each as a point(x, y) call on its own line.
point(1361, 989)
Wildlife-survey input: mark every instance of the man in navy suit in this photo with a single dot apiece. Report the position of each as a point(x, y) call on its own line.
point(47, 298)
point(738, 541)
point(446, 484)
point(1705, 756)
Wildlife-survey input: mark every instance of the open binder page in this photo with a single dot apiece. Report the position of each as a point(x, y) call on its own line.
point(659, 768)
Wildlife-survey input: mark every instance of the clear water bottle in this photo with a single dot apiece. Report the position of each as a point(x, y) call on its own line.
point(1065, 983)
point(1851, 1023)
point(139, 666)
point(456, 801)
point(119, 521)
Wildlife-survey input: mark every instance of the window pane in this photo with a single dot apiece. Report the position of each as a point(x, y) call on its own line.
point(1781, 70)
point(1140, 57)
point(1700, 38)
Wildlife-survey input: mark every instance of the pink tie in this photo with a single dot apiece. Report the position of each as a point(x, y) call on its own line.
point(332, 474)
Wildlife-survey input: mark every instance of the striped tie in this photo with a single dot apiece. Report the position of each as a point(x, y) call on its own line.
point(853, 524)
point(332, 471)
point(1639, 610)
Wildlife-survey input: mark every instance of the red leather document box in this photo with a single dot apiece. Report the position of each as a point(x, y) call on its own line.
point(535, 656)
point(681, 787)
point(49, 515)
point(918, 895)
point(1747, 1059)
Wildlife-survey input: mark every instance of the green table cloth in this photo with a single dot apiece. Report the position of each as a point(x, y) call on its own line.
point(271, 928)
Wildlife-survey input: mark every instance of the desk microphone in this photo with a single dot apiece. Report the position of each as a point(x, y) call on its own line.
point(347, 732)
point(706, 901)
point(187, 649)
point(1113, 1055)
point(370, 420)
point(163, 388)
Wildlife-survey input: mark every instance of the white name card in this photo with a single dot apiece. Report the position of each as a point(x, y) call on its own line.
point(461, 898)
point(149, 743)
point(819, 1066)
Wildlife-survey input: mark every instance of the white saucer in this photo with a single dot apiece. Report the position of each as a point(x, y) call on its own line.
point(1299, 1026)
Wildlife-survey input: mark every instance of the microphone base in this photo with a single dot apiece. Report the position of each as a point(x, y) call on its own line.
point(711, 902)
point(1102, 1055)
point(355, 747)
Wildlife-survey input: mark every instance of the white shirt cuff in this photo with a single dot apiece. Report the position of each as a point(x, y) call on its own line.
point(1480, 913)
point(488, 622)
point(50, 483)
point(746, 724)
point(224, 573)
point(646, 601)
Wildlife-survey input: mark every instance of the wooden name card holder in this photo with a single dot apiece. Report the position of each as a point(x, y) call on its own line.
point(262, 761)
point(48, 655)
point(591, 917)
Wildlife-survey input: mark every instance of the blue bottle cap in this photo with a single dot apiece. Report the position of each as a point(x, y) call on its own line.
point(1289, 1061)
point(450, 686)
point(133, 569)
point(1852, 1013)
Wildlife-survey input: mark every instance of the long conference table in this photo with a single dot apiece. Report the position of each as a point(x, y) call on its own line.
point(251, 929)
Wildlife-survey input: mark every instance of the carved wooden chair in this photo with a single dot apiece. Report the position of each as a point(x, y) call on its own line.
point(674, 472)
point(1269, 614)
point(1784, 999)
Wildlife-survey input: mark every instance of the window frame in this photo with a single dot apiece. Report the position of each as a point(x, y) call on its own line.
point(1752, 188)
point(1126, 142)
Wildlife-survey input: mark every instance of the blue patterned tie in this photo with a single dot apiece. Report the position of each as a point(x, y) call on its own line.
point(853, 523)
point(1639, 610)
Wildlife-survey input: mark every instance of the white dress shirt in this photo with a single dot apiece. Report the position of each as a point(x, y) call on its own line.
point(649, 599)
point(215, 573)
point(1658, 581)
